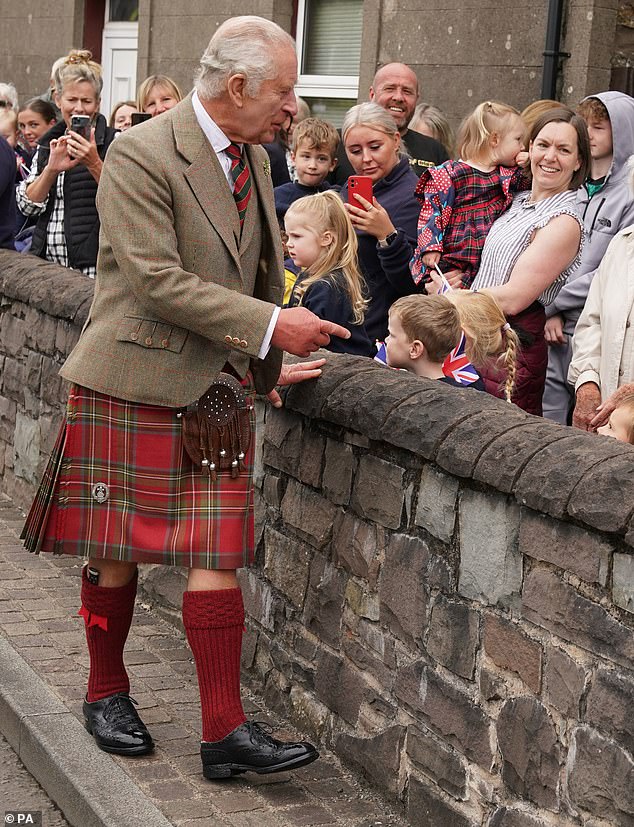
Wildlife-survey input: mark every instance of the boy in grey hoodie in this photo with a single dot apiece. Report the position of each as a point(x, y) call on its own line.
point(606, 206)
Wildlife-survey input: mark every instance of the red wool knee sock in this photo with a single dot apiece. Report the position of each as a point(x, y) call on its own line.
point(111, 608)
point(214, 622)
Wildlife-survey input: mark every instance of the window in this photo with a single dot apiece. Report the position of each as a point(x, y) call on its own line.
point(123, 11)
point(329, 49)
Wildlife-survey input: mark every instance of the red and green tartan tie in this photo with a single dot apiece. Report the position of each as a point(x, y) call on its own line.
point(241, 180)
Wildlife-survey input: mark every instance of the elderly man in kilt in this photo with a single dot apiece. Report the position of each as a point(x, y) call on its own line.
point(189, 277)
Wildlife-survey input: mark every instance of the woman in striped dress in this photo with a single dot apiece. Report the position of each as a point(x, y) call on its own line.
point(535, 245)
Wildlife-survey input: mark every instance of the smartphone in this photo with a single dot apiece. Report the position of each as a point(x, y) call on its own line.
point(139, 117)
point(359, 185)
point(81, 125)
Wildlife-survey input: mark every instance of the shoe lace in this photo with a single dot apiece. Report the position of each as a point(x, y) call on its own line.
point(118, 711)
point(260, 733)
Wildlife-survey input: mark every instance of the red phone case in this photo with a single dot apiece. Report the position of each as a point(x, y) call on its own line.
point(359, 185)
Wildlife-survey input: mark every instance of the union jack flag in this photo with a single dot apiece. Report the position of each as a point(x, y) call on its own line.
point(458, 366)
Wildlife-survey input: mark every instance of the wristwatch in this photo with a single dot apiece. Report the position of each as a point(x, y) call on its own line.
point(385, 242)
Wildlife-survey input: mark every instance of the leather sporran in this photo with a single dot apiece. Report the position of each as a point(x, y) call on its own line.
point(217, 434)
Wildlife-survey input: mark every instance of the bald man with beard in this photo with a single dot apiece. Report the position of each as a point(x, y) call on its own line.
point(395, 88)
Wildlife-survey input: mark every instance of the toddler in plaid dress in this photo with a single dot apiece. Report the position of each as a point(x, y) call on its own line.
point(461, 199)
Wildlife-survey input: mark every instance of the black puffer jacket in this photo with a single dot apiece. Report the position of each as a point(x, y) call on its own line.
point(81, 221)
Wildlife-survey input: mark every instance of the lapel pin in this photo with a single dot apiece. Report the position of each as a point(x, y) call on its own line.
point(266, 166)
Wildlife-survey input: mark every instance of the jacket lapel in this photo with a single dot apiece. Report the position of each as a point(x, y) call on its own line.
point(206, 177)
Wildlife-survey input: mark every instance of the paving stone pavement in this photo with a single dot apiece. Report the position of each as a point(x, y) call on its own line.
point(39, 598)
point(20, 791)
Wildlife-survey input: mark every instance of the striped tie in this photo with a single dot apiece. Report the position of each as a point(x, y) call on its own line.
point(241, 180)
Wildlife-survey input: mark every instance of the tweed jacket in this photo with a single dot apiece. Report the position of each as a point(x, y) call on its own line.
point(173, 300)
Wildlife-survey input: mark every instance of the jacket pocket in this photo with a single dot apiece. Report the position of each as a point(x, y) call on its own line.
point(151, 334)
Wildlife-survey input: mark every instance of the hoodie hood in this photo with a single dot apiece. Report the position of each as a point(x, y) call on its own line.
point(621, 111)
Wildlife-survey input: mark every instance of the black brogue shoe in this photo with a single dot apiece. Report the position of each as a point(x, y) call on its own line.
point(116, 726)
point(250, 748)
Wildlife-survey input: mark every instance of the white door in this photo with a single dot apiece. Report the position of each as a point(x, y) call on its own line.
point(119, 55)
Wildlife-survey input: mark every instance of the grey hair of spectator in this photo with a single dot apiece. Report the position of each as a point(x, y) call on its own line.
point(438, 126)
point(77, 66)
point(374, 117)
point(245, 45)
point(57, 65)
point(9, 93)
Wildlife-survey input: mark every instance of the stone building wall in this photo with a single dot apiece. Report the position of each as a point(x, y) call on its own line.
point(463, 52)
point(444, 585)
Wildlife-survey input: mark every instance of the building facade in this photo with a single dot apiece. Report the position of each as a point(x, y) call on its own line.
point(463, 51)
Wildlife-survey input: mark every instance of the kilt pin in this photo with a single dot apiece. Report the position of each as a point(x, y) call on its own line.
point(187, 284)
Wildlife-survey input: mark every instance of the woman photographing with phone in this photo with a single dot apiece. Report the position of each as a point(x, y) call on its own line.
point(386, 226)
point(61, 189)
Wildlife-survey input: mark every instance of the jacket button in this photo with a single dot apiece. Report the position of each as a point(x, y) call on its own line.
point(243, 343)
point(165, 343)
point(134, 336)
point(228, 340)
point(235, 340)
point(148, 341)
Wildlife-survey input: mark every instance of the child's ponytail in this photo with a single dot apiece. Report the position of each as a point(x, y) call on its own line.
point(477, 128)
point(509, 359)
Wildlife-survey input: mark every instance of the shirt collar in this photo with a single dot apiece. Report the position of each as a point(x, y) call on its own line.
point(212, 131)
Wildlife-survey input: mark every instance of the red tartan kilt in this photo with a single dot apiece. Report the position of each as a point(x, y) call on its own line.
point(159, 507)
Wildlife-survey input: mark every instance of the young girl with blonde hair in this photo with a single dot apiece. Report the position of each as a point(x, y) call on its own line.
point(461, 199)
point(489, 338)
point(323, 243)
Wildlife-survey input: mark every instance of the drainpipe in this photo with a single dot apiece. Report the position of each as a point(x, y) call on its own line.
point(551, 52)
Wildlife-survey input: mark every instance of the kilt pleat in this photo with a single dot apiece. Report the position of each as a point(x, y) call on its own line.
point(120, 485)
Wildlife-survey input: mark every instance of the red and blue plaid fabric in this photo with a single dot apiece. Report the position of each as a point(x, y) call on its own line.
point(119, 485)
point(241, 180)
point(458, 206)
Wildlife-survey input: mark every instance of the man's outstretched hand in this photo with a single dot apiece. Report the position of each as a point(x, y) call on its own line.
point(292, 374)
point(300, 332)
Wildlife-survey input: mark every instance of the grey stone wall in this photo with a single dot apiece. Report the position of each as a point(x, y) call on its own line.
point(42, 310)
point(444, 585)
point(445, 595)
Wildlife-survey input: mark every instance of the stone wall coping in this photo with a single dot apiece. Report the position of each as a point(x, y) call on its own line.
point(50, 288)
point(555, 469)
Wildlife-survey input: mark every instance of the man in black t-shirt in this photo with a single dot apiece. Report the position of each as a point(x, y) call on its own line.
point(395, 88)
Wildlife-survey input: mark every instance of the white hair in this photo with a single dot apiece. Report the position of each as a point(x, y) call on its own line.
point(246, 45)
point(9, 93)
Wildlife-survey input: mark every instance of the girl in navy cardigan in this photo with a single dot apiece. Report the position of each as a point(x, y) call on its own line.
point(323, 243)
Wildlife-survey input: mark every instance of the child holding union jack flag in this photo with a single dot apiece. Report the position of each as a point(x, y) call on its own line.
point(423, 330)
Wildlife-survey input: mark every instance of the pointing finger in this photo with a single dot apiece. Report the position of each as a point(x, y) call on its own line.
point(332, 329)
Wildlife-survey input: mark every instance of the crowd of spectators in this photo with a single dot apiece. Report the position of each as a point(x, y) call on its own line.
point(535, 210)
